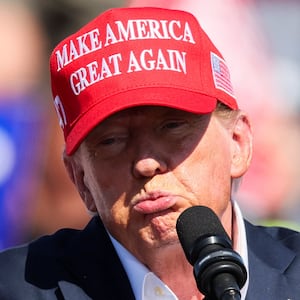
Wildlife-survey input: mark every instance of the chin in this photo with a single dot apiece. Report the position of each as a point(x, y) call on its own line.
point(158, 239)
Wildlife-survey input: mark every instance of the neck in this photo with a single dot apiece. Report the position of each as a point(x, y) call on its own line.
point(172, 267)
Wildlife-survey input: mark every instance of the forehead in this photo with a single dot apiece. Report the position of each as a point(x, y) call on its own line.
point(145, 113)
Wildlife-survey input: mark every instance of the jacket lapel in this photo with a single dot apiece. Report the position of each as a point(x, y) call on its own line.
point(95, 267)
point(71, 291)
point(269, 261)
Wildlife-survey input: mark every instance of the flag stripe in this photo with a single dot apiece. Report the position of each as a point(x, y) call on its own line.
point(221, 74)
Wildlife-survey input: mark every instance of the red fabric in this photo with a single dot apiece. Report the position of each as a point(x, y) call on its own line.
point(135, 56)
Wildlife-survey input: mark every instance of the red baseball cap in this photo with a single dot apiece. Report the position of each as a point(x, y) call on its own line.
point(138, 56)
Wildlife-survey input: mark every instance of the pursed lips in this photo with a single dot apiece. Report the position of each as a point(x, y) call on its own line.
point(154, 202)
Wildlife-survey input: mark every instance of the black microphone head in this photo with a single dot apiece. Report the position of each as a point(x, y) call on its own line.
point(218, 269)
point(195, 223)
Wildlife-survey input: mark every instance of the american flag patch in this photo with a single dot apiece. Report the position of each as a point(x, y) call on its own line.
point(221, 74)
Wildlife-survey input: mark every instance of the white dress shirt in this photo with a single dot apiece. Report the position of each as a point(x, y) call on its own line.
point(147, 286)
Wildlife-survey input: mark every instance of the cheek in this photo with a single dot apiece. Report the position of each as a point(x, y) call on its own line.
point(208, 170)
point(108, 191)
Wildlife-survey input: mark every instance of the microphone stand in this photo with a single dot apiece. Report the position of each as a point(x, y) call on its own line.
point(219, 272)
point(225, 287)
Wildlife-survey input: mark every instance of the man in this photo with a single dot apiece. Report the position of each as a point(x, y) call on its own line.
point(151, 128)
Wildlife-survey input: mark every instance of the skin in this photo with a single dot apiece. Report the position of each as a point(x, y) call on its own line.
point(141, 167)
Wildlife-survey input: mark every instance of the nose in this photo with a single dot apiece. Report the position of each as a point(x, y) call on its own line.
point(148, 167)
point(149, 159)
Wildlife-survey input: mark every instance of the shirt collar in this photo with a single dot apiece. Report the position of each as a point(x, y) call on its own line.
point(135, 270)
point(240, 242)
point(146, 285)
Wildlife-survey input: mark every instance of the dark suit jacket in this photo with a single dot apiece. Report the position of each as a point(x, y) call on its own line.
point(82, 265)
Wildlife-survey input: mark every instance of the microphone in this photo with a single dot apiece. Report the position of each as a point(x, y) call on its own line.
point(218, 270)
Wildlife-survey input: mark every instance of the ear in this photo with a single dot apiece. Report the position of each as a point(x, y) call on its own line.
point(241, 146)
point(76, 174)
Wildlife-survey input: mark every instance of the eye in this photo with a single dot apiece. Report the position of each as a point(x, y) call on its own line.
point(108, 146)
point(108, 141)
point(173, 124)
point(112, 140)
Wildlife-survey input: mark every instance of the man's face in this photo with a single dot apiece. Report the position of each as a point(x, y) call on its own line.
point(143, 166)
